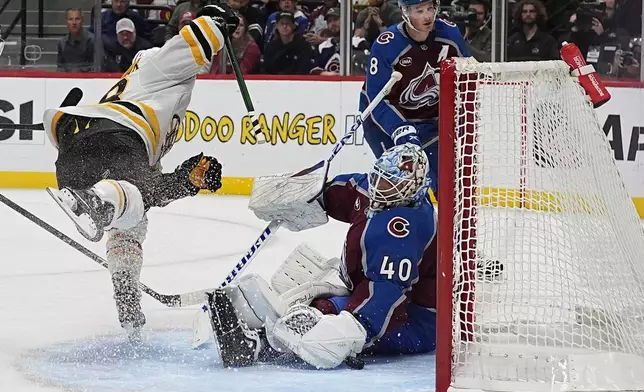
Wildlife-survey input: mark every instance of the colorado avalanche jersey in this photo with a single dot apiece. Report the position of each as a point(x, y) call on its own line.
point(151, 98)
point(415, 97)
point(388, 259)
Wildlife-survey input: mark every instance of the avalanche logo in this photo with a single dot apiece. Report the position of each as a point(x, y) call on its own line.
point(397, 227)
point(422, 90)
point(385, 37)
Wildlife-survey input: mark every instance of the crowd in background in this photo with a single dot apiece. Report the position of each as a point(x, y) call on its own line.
point(286, 37)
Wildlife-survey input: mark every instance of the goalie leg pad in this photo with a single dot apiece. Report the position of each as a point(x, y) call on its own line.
point(254, 301)
point(323, 341)
point(291, 198)
point(238, 345)
point(304, 265)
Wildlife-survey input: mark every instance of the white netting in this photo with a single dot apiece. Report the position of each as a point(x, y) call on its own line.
point(546, 234)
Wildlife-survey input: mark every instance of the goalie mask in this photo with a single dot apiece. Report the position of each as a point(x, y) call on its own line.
point(398, 177)
point(426, 7)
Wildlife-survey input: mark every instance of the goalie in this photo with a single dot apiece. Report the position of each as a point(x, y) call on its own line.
point(380, 298)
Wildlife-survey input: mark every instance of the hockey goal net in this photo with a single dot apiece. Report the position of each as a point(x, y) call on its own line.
point(541, 252)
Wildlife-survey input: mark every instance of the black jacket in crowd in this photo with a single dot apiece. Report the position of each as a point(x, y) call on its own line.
point(542, 46)
point(294, 58)
point(118, 58)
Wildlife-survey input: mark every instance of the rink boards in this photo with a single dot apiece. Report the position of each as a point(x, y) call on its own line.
point(302, 120)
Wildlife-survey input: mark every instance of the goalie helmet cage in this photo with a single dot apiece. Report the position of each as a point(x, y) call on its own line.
point(541, 251)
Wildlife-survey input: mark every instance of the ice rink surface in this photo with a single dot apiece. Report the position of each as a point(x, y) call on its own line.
point(58, 324)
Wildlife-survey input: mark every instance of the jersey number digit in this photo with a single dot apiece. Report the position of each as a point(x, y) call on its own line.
point(115, 92)
point(373, 66)
point(404, 269)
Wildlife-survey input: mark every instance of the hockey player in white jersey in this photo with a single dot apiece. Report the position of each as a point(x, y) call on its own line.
point(108, 168)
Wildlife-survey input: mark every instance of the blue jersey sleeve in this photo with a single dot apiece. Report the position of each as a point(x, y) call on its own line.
point(384, 51)
point(449, 31)
point(394, 243)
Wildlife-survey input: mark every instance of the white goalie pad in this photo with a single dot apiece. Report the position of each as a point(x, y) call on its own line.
point(321, 341)
point(303, 265)
point(286, 197)
point(306, 275)
point(254, 301)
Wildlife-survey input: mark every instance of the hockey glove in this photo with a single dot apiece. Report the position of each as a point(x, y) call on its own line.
point(405, 134)
point(224, 17)
point(200, 172)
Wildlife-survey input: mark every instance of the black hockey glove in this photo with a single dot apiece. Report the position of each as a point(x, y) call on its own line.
point(200, 172)
point(224, 17)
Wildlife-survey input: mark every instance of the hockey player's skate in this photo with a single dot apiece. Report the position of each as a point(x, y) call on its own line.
point(238, 344)
point(89, 213)
point(128, 303)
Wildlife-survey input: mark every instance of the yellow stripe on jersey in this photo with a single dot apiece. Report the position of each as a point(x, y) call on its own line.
point(209, 33)
point(138, 121)
point(187, 35)
point(152, 118)
point(121, 195)
point(54, 123)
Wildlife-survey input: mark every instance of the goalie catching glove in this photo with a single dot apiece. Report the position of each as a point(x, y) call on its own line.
point(200, 172)
point(224, 17)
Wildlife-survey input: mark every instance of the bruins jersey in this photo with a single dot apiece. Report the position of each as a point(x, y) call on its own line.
point(152, 96)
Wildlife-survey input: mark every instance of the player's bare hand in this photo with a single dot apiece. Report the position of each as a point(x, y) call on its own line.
point(200, 172)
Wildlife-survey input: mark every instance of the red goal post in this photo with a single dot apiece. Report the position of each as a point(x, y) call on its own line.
point(541, 252)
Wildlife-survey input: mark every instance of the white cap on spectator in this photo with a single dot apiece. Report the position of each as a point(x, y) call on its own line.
point(125, 24)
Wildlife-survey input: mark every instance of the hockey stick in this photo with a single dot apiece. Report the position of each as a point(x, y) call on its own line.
point(195, 297)
point(244, 90)
point(170, 300)
point(72, 98)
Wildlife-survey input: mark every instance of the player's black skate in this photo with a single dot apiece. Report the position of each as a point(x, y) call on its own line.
point(89, 212)
point(238, 344)
point(128, 303)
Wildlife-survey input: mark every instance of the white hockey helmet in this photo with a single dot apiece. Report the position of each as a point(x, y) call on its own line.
point(398, 177)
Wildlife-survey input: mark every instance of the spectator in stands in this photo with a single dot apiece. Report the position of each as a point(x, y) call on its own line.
point(531, 42)
point(172, 27)
point(332, 21)
point(120, 9)
point(375, 19)
point(119, 58)
point(301, 21)
point(76, 49)
point(629, 60)
point(317, 19)
point(245, 48)
point(596, 34)
point(288, 53)
point(327, 54)
point(254, 19)
point(477, 35)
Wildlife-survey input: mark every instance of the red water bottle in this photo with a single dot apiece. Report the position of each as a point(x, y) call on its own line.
point(585, 73)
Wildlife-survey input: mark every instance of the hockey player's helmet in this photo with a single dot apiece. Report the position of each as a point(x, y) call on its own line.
point(405, 5)
point(398, 177)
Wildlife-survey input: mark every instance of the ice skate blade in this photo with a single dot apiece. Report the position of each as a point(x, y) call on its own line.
point(85, 225)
